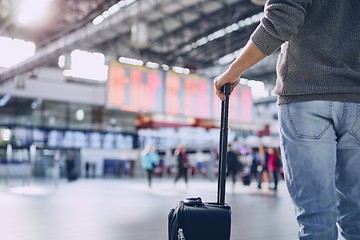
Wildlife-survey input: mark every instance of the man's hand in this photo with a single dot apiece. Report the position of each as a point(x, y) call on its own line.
point(221, 80)
point(247, 58)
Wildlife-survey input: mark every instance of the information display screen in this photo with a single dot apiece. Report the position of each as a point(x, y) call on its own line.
point(139, 89)
point(136, 89)
point(188, 95)
point(197, 97)
point(174, 93)
point(240, 108)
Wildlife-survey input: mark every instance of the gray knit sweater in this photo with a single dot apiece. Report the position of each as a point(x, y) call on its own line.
point(320, 48)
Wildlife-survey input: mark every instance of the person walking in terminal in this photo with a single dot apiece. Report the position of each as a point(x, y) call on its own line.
point(149, 160)
point(259, 165)
point(318, 88)
point(273, 166)
point(182, 164)
point(233, 165)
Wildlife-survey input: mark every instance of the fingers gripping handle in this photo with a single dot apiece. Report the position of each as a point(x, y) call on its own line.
point(227, 89)
point(223, 144)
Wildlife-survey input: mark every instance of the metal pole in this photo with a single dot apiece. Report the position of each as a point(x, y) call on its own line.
point(32, 161)
point(8, 159)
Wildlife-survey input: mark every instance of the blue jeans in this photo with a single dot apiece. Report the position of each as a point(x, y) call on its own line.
point(320, 144)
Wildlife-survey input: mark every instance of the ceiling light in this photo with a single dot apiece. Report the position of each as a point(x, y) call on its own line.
point(36, 14)
point(14, 51)
point(4, 100)
point(80, 115)
point(5, 134)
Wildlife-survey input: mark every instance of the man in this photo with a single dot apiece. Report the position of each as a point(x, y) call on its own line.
point(318, 88)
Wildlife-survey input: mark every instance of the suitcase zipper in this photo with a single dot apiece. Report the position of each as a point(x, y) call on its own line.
point(181, 235)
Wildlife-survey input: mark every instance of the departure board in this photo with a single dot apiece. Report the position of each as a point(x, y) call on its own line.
point(240, 108)
point(135, 89)
point(174, 92)
point(197, 97)
point(143, 90)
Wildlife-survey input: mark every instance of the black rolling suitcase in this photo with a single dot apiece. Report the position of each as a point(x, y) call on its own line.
point(194, 219)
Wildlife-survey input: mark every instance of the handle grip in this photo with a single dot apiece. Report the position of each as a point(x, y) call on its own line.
point(223, 144)
point(227, 89)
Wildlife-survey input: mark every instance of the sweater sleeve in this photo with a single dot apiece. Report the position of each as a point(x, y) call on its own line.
point(281, 20)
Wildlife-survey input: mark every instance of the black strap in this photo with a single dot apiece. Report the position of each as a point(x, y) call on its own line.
point(223, 144)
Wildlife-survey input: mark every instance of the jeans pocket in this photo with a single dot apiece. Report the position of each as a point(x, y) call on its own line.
point(355, 129)
point(309, 120)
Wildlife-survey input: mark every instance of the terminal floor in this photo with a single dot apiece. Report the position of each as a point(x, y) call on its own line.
point(126, 209)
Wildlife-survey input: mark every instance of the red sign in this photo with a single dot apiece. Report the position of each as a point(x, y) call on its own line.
point(139, 89)
point(173, 94)
point(135, 89)
point(240, 108)
point(187, 95)
point(197, 97)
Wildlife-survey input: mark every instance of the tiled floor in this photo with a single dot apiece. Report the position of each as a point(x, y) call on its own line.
point(125, 209)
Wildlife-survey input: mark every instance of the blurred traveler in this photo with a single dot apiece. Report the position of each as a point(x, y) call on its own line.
point(233, 165)
point(87, 169)
point(149, 160)
point(93, 170)
point(260, 157)
point(70, 167)
point(273, 165)
point(246, 160)
point(182, 164)
point(318, 88)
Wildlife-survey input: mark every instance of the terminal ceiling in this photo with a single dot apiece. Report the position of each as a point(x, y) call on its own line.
point(172, 26)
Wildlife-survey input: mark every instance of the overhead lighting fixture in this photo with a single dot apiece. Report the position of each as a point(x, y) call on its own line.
point(229, 57)
point(131, 61)
point(152, 65)
point(80, 115)
point(140, 35)
point(5, 134)
point(4, 100)
point(14, 51)
point(87, 65)
point(36, 14)
point(112, 10)
point(165, 67)
point(62, 61)
point(222, 32)
point(181, 70)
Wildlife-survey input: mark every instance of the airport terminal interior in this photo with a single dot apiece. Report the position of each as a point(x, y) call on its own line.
point(87, 86)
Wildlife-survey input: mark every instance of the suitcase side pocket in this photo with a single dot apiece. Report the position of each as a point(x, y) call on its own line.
point(175, 218)
point(170, 223)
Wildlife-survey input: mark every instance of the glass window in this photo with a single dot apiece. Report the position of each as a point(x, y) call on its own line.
point(80, 116)
point(55, 114)
point(16, 111)
point(114, 120)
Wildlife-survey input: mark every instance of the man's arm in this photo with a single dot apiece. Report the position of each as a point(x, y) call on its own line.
point(248, 57)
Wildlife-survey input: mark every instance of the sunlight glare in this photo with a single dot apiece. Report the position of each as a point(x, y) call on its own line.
point(32, 11)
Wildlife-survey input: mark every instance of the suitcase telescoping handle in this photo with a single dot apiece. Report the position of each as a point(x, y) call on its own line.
point(223, 144)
